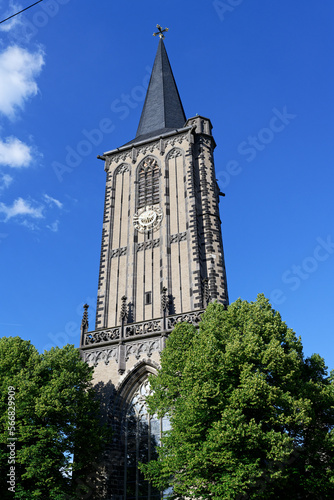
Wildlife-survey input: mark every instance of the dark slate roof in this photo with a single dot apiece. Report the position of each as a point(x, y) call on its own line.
point(163, 110)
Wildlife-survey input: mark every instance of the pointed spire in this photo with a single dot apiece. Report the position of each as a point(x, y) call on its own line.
point(84, 322)
point(84, 325)
point(163, 110)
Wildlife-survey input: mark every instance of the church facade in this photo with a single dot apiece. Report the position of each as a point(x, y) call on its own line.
point(161, 262)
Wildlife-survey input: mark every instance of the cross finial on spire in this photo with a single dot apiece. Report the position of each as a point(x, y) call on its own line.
point(160, 32)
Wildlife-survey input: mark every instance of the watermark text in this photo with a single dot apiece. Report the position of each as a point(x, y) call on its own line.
point(11, 478)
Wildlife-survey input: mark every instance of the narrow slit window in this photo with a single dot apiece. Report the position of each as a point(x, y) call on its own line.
point(148, 298)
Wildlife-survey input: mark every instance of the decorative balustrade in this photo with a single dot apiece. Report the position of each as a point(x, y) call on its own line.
point(193, 317)
point(102, 336)
point(141, 328)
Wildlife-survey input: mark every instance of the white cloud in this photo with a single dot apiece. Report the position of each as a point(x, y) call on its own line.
point(5, 181)
point(30, 225)
point(18, 71)
point(15, 21)
point(54, 226)
point(52, 201)
point(21, 207)
point(14, 153)
point(29, 213)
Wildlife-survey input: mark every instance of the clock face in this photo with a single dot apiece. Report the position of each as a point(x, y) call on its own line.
point(148, 218)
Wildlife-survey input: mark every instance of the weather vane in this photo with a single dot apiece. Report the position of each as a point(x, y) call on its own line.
point(160, 32)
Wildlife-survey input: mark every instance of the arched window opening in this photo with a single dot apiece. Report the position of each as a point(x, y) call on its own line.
point(142, 437)
point(148, 183)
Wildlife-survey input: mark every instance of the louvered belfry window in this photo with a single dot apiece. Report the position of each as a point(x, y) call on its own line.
point(148, 183)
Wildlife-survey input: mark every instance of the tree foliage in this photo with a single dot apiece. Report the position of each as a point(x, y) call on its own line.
point(56, 418)
point(251, 418)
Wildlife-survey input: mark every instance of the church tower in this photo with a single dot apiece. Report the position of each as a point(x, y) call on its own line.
point(161, 263)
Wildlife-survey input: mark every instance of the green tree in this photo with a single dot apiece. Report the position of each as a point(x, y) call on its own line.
point(251, 418)
point(56, 418)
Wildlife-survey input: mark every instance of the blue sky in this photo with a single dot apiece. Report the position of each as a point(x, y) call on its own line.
point(72, 83)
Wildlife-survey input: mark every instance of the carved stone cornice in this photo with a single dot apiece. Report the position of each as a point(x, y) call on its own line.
point(177, 139)
point(159, 144)
point(149, 148)
point(121, 156)
point(147, 347)
point(101, 355)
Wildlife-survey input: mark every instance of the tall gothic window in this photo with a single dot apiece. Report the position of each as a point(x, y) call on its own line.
point(148, 183)
point(142, 437)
